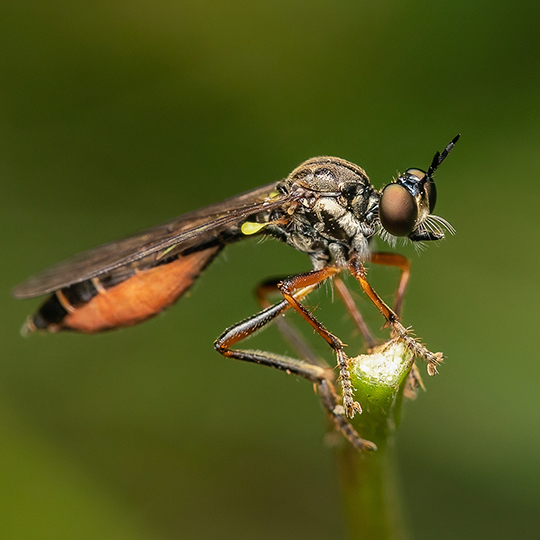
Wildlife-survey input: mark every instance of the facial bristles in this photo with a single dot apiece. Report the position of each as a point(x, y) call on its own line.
point(386, 236)
point(437, 224)
point(432, 223)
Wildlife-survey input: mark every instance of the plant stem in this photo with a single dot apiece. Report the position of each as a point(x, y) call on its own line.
point(369, 480)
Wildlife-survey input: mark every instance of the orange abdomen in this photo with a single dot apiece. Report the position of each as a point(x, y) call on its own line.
point(139, 297)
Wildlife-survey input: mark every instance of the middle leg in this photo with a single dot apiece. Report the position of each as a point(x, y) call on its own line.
point(325, 387)
point(316, 372)
point(288, 288)
point(293, 290)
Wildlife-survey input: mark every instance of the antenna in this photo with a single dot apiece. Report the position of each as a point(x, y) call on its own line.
point(439, 158)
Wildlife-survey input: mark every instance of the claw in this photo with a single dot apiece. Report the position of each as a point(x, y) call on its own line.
point(353, 408)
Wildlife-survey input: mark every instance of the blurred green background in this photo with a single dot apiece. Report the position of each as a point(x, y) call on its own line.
point(115, 116)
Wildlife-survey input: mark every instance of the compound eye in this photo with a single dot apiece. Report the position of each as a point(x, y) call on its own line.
point(431, 193)
point(397, 210)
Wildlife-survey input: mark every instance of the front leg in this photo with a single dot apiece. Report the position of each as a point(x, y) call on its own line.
point(404, 265)
point(398, 330)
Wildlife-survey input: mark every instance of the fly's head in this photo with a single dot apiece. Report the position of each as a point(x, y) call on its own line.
point(406, 205)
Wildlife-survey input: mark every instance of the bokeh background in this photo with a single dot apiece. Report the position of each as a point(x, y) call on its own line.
point(116, 115)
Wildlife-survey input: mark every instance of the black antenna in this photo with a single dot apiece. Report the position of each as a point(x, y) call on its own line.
point(439, 158)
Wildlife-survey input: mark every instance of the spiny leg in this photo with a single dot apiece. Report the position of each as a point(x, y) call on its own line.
point(398, 330)
point(414, 381)
point(330, 401)
point(326, 389)
point(383, 258)
point(293, 288)
point(300, 281)
point(317, 374)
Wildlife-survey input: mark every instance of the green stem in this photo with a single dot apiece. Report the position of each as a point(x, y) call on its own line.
point(369, 480)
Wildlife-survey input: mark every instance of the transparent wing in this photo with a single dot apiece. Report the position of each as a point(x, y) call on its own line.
point(184, 232)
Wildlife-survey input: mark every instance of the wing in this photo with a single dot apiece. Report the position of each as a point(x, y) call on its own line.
point(183, 232)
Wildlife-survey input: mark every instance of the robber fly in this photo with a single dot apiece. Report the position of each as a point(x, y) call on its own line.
point(326, 208)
